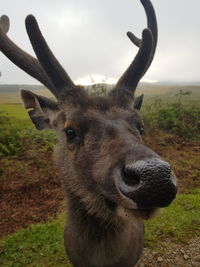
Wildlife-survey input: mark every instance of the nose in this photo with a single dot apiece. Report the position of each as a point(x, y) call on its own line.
point(149, 183)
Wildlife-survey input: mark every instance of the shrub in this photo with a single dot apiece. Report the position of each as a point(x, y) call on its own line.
point(177, 118)
point(15, 133)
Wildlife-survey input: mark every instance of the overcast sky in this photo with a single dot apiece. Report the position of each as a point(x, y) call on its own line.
point(89, 37)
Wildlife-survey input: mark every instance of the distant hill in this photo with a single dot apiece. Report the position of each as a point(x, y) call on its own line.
point(9, 93)
point(14, 88)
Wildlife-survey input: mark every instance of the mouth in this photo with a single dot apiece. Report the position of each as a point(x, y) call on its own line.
point(142, 214)
point(145, 213)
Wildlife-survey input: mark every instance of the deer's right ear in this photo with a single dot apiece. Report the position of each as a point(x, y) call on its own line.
point(43, 111)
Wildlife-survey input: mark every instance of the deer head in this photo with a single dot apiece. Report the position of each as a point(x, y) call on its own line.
point(100, 137)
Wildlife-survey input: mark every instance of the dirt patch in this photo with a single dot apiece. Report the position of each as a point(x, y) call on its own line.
point(30, 192)
point(175, 255)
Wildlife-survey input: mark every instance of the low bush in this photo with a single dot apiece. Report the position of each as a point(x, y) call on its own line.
point(173, 117)
point(15, 133)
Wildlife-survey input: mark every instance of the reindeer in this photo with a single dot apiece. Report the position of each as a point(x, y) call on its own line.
point(111, 180)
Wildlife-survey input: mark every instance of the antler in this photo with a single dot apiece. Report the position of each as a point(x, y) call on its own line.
point(143, 59)
point(52, 67)
point(151, 23)
point(49, 71)
point(20, 58)
point(23, 60)
point(4, 23)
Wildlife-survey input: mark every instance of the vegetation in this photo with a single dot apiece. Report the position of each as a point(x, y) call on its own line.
point(39, 245)
point(17, 129)
point(177, 117)
point(179, 222)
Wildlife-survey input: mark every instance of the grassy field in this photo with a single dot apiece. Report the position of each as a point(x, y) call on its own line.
point(14, 110)
point(11, 93)
point(30, 191)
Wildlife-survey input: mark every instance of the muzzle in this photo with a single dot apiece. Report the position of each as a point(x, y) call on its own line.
point(149, 183)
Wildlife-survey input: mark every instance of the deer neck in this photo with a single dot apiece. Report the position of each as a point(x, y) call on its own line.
point(101, 239)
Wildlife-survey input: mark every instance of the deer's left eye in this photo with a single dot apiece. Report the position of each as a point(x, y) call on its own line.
point(140, 128)
point(71, 133)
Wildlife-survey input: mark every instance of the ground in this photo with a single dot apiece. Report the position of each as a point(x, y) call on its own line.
point(32, 194)
point(173, 255)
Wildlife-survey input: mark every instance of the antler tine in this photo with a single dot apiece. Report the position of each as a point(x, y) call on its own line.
point(134, 39)
point(52, 67)
point(129, 80)
point(151, 24)
point(20, 58)
point(132, 76)
point(4, 23)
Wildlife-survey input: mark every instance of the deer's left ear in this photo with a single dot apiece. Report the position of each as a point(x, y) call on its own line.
point(138, 102)
point(43, 111)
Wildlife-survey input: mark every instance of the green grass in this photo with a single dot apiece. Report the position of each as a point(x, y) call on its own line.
point(17, 130)
point(178, 223)
point(39, 245)
point(14, 110)
point(42, 244)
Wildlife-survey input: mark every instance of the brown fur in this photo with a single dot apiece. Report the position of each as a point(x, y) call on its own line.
point(96, 233)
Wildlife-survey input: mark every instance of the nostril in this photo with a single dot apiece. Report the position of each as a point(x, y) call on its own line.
point(130, 177)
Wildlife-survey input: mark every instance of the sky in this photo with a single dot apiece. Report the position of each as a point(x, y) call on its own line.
point(89, 38)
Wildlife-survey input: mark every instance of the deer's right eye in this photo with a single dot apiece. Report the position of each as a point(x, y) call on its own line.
point(71, 133)
point(141, 129)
